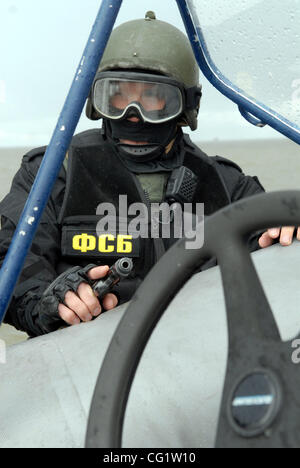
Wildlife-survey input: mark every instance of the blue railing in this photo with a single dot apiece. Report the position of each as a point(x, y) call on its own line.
point(255, 112)
point(56, 151)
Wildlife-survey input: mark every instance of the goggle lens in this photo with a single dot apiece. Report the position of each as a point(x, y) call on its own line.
point(156, 102)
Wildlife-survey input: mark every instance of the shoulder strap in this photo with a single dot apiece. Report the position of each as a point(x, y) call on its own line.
point(227, 162)
point(83, 138)
point(34, 153)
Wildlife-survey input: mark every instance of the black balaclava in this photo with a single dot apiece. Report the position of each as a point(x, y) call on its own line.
point(144, 158)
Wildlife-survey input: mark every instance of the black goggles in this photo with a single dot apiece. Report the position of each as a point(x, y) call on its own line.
point(155, 98)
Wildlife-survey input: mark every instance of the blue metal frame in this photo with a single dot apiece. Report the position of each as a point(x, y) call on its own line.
point(248, 106)
point(251, 119)
point(56, 151)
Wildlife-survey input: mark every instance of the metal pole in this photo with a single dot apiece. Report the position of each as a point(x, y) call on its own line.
point(56, 151)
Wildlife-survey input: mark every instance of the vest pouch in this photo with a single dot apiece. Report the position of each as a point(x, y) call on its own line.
point(103, 241)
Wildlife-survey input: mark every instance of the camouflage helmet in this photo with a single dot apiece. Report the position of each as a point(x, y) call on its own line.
point(152, 46)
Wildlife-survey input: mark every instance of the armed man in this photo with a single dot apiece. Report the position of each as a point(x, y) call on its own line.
point(145, 91)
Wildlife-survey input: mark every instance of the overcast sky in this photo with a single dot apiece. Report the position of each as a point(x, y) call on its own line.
point(41, 45)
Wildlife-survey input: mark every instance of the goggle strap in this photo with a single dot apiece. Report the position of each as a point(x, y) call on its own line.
point(193, 96)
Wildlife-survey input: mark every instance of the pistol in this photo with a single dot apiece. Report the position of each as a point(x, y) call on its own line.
point(118, 271)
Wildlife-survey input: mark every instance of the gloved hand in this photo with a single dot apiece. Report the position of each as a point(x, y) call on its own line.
point(70, 299)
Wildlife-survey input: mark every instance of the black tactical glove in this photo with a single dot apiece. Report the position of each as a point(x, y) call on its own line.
point(46, 310)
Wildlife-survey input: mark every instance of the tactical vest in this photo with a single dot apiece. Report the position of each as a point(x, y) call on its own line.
point(96, 175)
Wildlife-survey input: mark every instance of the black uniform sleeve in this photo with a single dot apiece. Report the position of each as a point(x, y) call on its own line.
point(240, 186)
point(39, 268)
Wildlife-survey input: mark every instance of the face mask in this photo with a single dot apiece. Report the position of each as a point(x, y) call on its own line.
point(158, 136)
